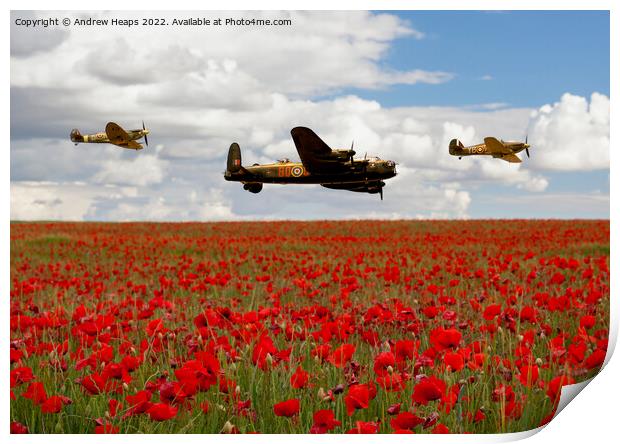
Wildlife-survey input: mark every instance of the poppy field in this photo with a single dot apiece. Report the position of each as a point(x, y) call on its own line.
point(303, 327)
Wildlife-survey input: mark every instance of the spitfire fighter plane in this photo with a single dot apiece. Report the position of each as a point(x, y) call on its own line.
point(491, 147)
point(115, 135)
point(335, 169)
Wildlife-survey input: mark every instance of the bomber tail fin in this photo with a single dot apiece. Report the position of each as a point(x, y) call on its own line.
point(233, 164)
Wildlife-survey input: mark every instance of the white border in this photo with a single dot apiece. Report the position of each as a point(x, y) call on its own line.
point(591, 419)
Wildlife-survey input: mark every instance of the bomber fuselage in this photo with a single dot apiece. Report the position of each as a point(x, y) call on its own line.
point(294, 172)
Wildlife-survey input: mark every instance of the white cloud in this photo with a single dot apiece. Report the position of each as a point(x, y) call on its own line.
point(59, 201)
point(320, 52)
point(143, 170)
point(571, 135)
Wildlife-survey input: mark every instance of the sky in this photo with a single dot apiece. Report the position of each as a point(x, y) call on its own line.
point(400, 84)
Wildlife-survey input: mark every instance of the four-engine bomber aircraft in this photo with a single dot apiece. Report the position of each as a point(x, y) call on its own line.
point(491, 147)
point(336, 169)
point(115, 135)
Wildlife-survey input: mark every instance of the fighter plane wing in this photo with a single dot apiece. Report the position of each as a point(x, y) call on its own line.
point(512, 158)
point(313, 152)
point(116, 134)
point(495, 146)
point(132, 144)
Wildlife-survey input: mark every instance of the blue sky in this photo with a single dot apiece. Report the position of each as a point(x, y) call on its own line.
point(533, 57)
point(401, 84)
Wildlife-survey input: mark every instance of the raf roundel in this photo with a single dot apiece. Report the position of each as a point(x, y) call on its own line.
point(297, 171)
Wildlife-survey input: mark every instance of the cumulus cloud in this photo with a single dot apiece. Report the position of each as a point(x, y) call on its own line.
point(32, 200)
point(25, 43)
point(571, 135)
point(142, 171)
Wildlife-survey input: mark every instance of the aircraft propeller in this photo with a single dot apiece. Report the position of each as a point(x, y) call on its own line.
point(381, 192)
point(527, 151)
point(146, 139)
point(351, 152)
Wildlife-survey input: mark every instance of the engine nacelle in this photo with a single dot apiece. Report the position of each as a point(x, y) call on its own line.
point(342, 155)
point(253, 187)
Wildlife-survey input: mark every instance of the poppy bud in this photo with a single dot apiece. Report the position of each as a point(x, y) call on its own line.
point(233, 367)
point(58, 428)
point(500, 330)
point(125, 386)
point(520, 338)
point(237, 390)
point(269, 359)
point(160, 335)
point(390, 369)
point(228, 427)
point(539, 361)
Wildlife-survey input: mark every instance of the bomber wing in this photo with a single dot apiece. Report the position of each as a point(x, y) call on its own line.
point(116, 134)
point(313, 152)
point(495, 146)
point(512, 158)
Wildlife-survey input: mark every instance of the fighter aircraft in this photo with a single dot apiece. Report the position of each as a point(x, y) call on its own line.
point(500, 149)
point(115, 135)
point(335, 169)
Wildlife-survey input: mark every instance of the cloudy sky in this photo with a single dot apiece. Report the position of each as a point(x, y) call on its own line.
point(401, 85)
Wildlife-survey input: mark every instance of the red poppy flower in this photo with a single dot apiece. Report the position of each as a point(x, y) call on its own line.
point(528, 374)
point(428, 389)
point(587, 322)
point(287, 408)
point(596, 359)
point(106, 429)
point(404, 350)
point(391, 382)
point(54, 404)
point(366, 428)
point(406, 421)
point(555, 386)
point(383, 362)
point(36, 393)
point(442, 339)
point(491, 311)
point(299, 379)
point(21, 375)
point(17, 428)
point(454, 360)
point(162, 412)
point(342, 355)
point(440, 429)
point(324, 421)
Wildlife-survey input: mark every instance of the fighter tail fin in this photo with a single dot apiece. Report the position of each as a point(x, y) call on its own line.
point(233, 164)
point(455, 146)
point(76, 136)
